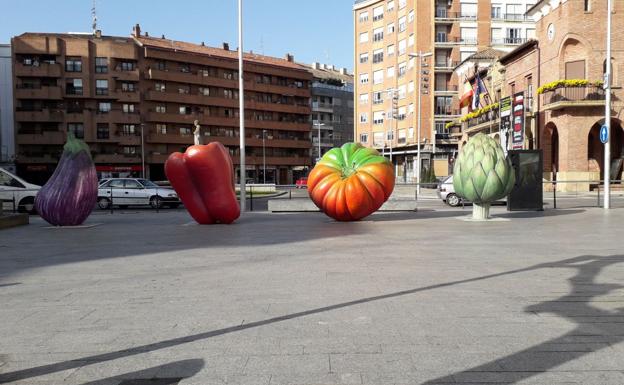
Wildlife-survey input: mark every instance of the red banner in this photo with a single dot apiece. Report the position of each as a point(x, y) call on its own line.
point(118, 168)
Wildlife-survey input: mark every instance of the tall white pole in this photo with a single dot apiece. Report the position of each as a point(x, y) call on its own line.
point(142, 151)
point(418, 59)
point(241, 109)
point(318, 122)
point(263, 158)
point(607, 87)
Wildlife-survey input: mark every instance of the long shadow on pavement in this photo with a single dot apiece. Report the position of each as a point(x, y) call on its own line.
point(167, 374)
point(575, 307)
point(589, 267)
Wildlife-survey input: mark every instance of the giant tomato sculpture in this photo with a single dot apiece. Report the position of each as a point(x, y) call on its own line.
point(351, 182)
point(203, 178)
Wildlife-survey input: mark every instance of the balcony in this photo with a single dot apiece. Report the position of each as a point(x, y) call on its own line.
point(443, 40)
point(445, 138)
point(126, 96)
point(172, 138)
point(510, 17)
point(191, 78)
point(42, 70)
point(445, 112)
point(125, 139)
point(587, 96)
point(322, 107)
point(276, 160)
point(41, 137)
point(489, 120)
point(445, 89)
point(132, 75)
point(277, 107)
point(44, 115)
point(118, 116)
point(36, 158)
point(444, 16)
point(117, 158)
point(24, 91)
point(509, 41)
point(446, 65)
point(177, 118)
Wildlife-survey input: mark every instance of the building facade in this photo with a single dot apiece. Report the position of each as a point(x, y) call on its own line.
point(135, 100)
point(7, 136)
point(332, 108)
point(400, 44)
point(564, 119)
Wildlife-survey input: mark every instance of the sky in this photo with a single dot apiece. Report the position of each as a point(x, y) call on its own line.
point(319, 30)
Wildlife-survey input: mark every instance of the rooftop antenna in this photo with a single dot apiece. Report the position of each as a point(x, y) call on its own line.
point(94, 17)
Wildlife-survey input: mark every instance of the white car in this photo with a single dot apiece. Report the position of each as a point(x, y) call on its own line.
point(446, 192)
point(124, 192)
point(16, 193)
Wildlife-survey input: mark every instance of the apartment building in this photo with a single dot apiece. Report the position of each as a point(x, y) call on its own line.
point(7, 136)
point(135, 100)
point(332, 108)
point(402, 43)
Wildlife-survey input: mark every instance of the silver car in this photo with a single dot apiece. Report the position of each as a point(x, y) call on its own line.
point(124, 192)
point(446, 192)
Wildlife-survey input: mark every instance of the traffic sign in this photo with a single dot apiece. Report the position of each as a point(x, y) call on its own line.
point(604, 134)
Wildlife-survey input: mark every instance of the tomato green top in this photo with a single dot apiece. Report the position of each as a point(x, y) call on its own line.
point(350, 157)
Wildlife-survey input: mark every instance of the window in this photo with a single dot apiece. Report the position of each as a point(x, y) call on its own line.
point(402, 4)
point(513, 36)
point(128, 129)
point(402, 69)
point(410, 109)
point(377, 97)
point(128, 108)
point(410, 40)
point(184, 89)
point(73, 64)
point(185, 68)
point(128, 87)
point(129, 151)
point(363, 16)
point(378, 13)
point(204, 91)
point(468, 10)
point(378, 139)
point(363, 98)
point(73, 87)
point(364, 58)
point(161, 65)
point(364, 117)
point(185, 131)
point(103, 131)
point(586, 5)
point(104, 107)
point(402, 24)
point(514, 12)
point(466, 54)
point(410, 16)
point(101, 65)
point(364, 37)
point(402, 91)
point(161, 128)
point(77, 129)
point(496, 11)
point(364, 78)
point(401, 115)
point(390, 72)
point(402, 138)
point(378, 55)
point(411, 61)
point(391, 50)
point(468, 35)
point(378, 77)
point(364, 137)
point(378, 34)
point(390, 135)
point(160, 87)
point(390, 28)
point(410, 86)
point(497, 35)
point(402, 47)
point(378, 117)
point(101, 87)
point(185, 110)
point(127, 66)
point(161, 109)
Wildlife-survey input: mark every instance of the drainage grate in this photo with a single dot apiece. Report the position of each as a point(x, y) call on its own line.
point(152, 381)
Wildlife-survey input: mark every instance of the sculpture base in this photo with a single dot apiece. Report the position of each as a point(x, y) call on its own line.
point(480, 212)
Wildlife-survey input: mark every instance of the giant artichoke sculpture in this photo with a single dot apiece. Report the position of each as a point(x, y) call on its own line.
point(482, 174)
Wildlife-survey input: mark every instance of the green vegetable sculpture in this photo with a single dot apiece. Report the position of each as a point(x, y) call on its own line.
point(482, 174)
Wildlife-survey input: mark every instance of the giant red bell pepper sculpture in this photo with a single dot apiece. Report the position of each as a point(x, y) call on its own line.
point(203, 178)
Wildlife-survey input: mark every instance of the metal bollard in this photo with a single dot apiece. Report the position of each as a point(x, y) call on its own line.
point(250, 198)
point(554, 195)
point(111, 200)
point(598, 201)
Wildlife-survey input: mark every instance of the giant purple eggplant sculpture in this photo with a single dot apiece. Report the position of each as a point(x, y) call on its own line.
point(69, 196)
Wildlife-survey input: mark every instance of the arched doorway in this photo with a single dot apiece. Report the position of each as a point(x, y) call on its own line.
point(551, 149)
point(595, 149)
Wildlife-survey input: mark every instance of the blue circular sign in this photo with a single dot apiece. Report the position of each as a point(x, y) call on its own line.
point(604, 134)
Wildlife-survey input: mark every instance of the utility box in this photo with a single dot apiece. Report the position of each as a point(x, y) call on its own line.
point(527, 193)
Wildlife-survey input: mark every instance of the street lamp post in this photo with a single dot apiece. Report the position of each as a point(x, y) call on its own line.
point(263, 158)
point(420, 55)
point(241, 110)
point(319, 124)
point(607, 87)
point(142, 151)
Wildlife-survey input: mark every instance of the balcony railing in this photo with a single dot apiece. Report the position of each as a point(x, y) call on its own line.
point(446, 111)
point(489, 117)
point(509, 41)
point(442, 13)
point(586, 95)
point(446, 64)
point(445, 88)
point(442, 38)
point(511, 17)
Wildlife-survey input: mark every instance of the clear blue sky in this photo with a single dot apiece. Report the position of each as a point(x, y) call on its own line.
point(319, 30)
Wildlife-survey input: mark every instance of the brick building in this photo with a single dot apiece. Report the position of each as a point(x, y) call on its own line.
point(134, 100)
point(389, 34)
point(564, 121)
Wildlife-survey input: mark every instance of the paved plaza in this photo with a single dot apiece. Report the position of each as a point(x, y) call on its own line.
point(398, 298)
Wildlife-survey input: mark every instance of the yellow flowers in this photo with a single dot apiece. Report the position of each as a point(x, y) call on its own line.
point(479, 112)
point(568, 83)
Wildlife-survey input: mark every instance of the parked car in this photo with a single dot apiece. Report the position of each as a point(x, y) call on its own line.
point(18, 192)
point(446, 192)
point(302, 183)
point(124, 192)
